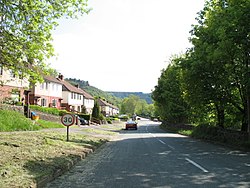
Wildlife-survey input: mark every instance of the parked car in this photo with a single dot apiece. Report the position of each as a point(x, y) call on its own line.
point(131, 125)
point(82, 120)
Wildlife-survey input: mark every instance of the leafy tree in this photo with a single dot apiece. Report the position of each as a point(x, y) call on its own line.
point(129, 104)
point(217, 64)
point(96, 110)
point(25, 32)
point(168, 95)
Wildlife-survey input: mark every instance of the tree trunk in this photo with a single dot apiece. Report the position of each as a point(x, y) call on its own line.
point(220, 115)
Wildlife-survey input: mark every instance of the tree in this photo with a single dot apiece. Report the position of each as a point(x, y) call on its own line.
point(25, 32)
point(218, 62)
point(129, 104)
point(96, 110)
point(168, 95)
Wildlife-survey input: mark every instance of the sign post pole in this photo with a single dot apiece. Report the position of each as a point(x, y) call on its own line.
point(67, 133)
point(68, 120)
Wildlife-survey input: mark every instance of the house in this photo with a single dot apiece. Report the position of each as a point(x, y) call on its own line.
point(72, 96)
point(12, 86)
point(107, 109)
point(47, 94)
point(88, 102)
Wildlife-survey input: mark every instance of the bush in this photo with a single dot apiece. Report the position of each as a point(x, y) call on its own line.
point(109, 120)
point(53, 111)
point(14, 121)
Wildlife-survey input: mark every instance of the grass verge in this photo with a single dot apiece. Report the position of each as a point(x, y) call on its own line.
point(27, 158)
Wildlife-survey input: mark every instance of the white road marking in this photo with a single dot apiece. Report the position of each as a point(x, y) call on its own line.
point(197, 165)
point(161, 141)
point(171, 147)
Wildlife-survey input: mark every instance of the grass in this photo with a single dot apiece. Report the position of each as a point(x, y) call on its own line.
point(28, 157)
point(49, 124)
point(14, 121)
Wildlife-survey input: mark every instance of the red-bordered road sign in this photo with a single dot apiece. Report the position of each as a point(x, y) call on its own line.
point(68, 119)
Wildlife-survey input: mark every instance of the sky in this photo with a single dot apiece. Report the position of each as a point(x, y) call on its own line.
point(123, 45)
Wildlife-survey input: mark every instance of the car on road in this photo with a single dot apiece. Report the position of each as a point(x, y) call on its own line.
point(131, 125)
point(82, 120)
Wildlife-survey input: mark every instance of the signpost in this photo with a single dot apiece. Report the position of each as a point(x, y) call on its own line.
point(68, 120)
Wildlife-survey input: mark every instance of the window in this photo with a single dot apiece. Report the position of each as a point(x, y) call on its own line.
point(12, 74)
point(1, 70)
point(46, 85)
point(43, 102)
point(53, 102)
point(41, 86)
point(72, 95)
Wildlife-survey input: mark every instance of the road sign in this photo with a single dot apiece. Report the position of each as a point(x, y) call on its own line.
point(68, 119)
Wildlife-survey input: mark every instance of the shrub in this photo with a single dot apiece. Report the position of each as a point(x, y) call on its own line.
point(53, 111)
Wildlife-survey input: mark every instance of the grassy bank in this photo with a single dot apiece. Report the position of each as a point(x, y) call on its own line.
point(29, 157)
point(32, 153)
point(235, 139)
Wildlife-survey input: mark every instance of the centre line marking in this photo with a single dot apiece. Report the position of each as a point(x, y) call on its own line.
point(197, 165)
point(171, 147)
point(161, 141)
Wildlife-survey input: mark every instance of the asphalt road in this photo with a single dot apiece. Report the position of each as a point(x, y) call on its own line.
point(150, 157)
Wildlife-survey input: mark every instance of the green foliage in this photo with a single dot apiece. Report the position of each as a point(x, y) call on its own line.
point(48, 110)
point(26, 26)
point(134, 105)
point(209, 83)
point(14, 121)
point(96, 110)
point(168, 95)
point(122, 95)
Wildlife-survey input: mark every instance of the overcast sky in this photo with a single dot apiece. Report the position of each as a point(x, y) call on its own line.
point(122, 45)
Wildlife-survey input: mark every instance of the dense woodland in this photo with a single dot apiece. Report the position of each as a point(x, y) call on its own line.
point(210, 83)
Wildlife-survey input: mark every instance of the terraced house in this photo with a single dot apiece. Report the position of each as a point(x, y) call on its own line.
point(47, 94)
point(72, 96)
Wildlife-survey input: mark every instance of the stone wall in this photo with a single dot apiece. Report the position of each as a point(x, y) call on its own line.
point(12, 107)
point(48, 117)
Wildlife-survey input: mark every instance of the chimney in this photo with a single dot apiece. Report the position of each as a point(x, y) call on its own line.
point(60, 76)
point(77, 85)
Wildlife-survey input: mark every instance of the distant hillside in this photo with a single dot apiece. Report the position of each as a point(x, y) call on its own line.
point(111, 96)
point(145, 96)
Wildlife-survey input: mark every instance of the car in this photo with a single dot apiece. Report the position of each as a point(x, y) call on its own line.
point(131, 125)
point(82, 120)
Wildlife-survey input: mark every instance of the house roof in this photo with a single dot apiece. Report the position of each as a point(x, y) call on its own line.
point(51, 79)
point(72, 88)
point(86, 95)
point(105, 103)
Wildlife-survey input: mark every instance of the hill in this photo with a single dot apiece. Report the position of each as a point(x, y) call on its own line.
point(145, 96)
point(111, 96)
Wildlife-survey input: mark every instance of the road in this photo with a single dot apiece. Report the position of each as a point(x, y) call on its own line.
point(150, 157)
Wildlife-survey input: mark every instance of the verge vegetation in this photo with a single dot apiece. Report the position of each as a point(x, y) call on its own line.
point(32, 158)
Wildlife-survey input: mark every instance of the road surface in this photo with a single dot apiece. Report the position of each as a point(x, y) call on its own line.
point(150, 157)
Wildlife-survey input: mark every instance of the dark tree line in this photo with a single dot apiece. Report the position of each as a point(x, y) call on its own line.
point(210, 82)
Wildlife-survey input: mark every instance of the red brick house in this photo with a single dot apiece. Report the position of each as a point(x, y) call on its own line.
point(47, 94)
point(12, 86)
